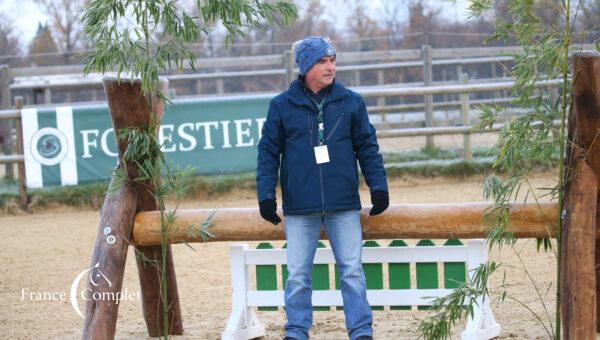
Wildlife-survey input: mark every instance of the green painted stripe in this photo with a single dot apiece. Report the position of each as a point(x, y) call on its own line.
point(320, 278)
point(373, 273)
point(284, 273)
point(399, 274)
point(337, 284)
point(266, 276)
point(427, 273)
point(50, 174)
point(455, 273)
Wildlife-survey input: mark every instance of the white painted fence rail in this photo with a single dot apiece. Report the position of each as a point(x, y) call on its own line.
point(244, 324)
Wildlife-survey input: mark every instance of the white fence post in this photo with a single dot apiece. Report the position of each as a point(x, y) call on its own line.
point(381, 100)
point(482, 325)
point(466, 120)
point(428, 81)
point(243, 323)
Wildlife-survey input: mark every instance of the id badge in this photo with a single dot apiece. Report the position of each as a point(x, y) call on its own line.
point(321, 154)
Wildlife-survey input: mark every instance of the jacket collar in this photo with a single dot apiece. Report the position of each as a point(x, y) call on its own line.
point(297, 95)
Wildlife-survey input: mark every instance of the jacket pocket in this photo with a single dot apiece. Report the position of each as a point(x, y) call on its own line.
point(335, 126)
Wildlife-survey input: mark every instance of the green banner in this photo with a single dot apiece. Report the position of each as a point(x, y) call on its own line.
point(69, 145)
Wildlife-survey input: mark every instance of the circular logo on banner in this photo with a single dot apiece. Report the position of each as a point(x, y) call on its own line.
point(48, 146)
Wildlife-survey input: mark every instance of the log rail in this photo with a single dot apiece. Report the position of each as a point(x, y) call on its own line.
point(458, 220)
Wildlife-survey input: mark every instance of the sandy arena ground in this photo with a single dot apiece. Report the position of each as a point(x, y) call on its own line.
point(43, 252)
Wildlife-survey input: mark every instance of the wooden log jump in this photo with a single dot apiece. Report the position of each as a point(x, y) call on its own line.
point(130, 213)
point(459, 220)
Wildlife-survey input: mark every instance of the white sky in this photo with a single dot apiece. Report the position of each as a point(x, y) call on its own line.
point(25, 14)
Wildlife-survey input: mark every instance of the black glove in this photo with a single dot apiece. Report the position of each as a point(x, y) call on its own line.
point(268, 211)
point(380, 200)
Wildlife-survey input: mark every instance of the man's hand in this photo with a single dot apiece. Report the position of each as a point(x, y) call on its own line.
point(268, 211)
point(380, 200)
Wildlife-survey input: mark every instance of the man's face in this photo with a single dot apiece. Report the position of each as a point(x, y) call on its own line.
point(322, 73)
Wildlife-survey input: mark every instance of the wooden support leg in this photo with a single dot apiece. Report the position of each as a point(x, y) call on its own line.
point(597, 276)
point(578, 277)
point(129, 108)
point(584, 130)
point(108, 263)
point(148, 263)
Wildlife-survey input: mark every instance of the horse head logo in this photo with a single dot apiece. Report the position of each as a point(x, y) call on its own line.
point(96, 276)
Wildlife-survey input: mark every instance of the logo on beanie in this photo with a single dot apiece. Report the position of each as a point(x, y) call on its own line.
point(330, 51)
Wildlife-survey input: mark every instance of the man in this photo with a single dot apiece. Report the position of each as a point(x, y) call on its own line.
point(320, 129)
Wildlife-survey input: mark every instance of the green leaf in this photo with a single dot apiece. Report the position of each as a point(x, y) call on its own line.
point(143, 38)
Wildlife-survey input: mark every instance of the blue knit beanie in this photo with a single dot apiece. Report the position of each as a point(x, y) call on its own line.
point(310, 50)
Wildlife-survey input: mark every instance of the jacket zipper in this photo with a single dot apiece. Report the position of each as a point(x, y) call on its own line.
point(319, 165)
point(310, 129)
point(335, 126)
point(322, 193)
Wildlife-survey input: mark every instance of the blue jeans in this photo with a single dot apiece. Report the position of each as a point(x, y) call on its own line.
point(344, 232)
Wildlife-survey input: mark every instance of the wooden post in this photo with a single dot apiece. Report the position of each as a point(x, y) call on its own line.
point(198, 87)
point(220, 86)
point(128, 108)
point(578, 281)
point(494, 74)
point(427, 81)
point(288, 63)
point(108, 258)
point(47, 96)
point(6, 124)
point(444, 78)
point(459, 70)
point(416, 221)
point(381, 100)
point(23, 201)
point(466, 120)
point(580, 253)
point(401, 80)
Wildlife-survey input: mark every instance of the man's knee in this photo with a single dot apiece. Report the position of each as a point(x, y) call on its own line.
point(351, 271)
point(299, 275)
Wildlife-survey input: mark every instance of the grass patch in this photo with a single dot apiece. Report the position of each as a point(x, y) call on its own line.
point(92, 194)
point(433, 168)
point(87, 195)
point(432, 153)
point(432, 162)
point(219, 184)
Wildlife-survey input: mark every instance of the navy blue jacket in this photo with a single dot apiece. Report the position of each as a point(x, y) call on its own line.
point(289, 136)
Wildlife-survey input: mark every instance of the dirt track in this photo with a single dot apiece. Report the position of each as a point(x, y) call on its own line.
point(44, 252)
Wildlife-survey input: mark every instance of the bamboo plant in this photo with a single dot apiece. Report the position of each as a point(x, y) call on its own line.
point(141, 39)
point(525, 141)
